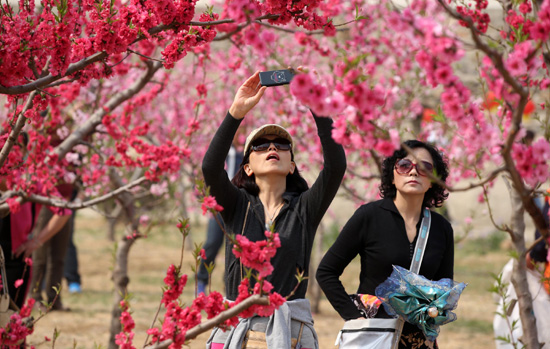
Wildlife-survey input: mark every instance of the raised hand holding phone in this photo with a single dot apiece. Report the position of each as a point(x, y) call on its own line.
point(248, 95)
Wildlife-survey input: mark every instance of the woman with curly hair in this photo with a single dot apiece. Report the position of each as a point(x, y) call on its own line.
point(384, 233)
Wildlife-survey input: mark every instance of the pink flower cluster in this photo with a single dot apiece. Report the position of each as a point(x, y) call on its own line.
point(125, 337)
point(524, 27)
point(161, 159)
point(532, 161)
point(301, 11)
point(304, 39)
point(18, 327)
point(316, 96)
point(177, 319)
point(174, 285)
point(184, 42)
point(58, 36)
point(169, 11)
point(210, 203)
point(540, 31)
point(13, 168)
point(257, 255)
point(263, 287)
point(479, 18)
point(519, 24)
point(520, 63)
point(66, 35)
point(241, 10)
point(260, 40)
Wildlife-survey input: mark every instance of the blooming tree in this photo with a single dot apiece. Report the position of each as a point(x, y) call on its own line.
point(123, 97)
point(181, 324)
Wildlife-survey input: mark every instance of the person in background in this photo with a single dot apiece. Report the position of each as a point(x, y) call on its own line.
point(15, 229)
point(538, 282)
point(70, 272)
point(49, 259)
point(539, 253)
point(15, 235)
point(384, 233)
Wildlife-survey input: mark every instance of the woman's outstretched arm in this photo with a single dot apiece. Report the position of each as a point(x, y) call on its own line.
point(215, 176)
point(319, 197)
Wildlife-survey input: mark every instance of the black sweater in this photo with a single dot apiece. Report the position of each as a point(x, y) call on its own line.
point(297, 220)
point(377, 233)
point(539, 253)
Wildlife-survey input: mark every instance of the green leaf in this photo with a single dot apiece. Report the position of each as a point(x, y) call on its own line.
point(439, 116)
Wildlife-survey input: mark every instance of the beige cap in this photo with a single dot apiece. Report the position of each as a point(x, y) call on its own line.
point(268, 129)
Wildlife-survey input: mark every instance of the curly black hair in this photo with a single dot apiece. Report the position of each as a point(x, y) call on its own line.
point(436, 194)
point(294, 182)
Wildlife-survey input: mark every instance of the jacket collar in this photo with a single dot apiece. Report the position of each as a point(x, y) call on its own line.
point(389, 205)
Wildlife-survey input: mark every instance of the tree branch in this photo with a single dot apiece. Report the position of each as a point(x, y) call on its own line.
point(363, 177)
point(48, 79)
point(12, 138)
point(55, 202)
point(99, 56)
point(211, 323)
point(351, 193)
point(291, 31)
point(498, 62)
point(490, 177)
point(515, 177)
point(89, 126)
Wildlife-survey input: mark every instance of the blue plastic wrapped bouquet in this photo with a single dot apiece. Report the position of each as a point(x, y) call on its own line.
point(424, 303)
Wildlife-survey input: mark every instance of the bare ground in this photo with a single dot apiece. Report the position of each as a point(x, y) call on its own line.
point(87, 324)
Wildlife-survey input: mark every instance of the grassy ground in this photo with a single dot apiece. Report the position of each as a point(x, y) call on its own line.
point(87, 324)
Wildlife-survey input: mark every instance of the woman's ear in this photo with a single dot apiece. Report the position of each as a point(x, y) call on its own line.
point(292, 167)
point(248, 170)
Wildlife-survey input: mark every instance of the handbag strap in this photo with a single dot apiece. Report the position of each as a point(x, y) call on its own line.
point(3, 272)
point(299, 339)
point(4, 293)
point(418, 255)
point(242, 233)
point(421, 241)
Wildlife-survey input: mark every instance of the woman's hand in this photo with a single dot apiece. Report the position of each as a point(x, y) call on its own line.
point(27, 248)
point(248, 95)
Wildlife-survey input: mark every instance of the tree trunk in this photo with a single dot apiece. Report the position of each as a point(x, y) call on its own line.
point(120, 272)
point(121, 281)
point(112, 221)
point(519, 278)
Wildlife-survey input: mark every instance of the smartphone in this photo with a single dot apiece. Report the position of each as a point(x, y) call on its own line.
point(276, 77)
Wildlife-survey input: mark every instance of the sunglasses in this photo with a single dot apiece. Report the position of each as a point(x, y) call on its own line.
point(262, 144)
point(404, 166)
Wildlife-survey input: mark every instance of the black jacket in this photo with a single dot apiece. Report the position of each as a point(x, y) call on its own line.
point(376, 232)
point(539, 253)
point(296, 222)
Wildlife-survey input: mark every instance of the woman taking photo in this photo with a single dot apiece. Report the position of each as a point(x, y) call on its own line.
point(384, 233)
point(268, 192)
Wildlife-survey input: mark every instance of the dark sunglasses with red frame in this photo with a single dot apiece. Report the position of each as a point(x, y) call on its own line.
point(404, 166)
